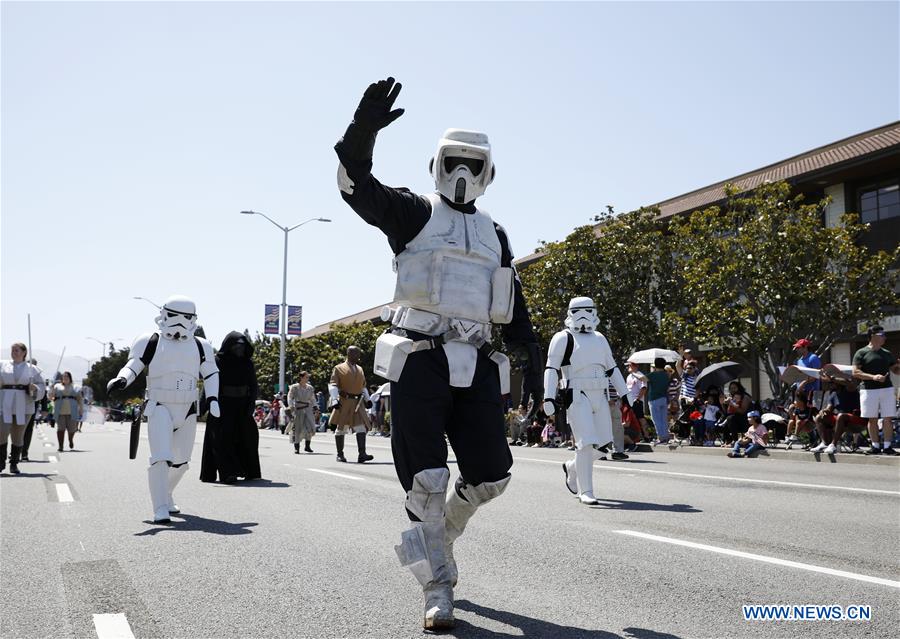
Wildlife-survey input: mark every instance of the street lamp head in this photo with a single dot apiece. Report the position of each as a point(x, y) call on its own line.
point(248, 212)
point(323, 219)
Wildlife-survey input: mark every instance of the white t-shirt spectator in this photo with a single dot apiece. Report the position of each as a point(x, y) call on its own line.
point(635, 382)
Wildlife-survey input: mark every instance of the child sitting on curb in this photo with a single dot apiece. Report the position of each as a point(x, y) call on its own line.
point(754, 440)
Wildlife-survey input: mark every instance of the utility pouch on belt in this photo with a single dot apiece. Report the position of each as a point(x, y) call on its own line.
point(502, 362)
point(391, 352)
point(502, 295)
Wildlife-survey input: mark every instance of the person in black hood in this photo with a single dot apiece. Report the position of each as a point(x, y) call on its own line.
point(231, 442)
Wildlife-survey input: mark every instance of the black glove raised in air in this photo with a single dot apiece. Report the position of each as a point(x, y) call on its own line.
point(374, 110)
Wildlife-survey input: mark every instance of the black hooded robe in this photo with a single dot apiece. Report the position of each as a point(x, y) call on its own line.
point(231, 442)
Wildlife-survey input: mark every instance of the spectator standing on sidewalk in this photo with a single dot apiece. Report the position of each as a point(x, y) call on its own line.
point(658, 386)
point(636, 382)
point(688, 370)
point(873, 365)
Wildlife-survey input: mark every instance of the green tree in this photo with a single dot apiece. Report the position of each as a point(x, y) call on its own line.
point(623, 264)
point(765, 271)
point(106, 369)
point(317, 355)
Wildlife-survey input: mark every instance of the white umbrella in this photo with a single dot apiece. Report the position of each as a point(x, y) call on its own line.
point(384, 390)
point(649, 355)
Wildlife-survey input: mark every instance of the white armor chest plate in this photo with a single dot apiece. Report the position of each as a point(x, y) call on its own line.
point(447, 268)
point(175, 366)
point(591, 358)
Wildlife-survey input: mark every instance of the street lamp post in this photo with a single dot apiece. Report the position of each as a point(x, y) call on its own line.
point(154, 304)
point(283, 314)
point(104, 343)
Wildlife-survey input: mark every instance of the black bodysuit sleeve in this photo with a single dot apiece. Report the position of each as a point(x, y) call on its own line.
point(398, 212)
point(519, 331)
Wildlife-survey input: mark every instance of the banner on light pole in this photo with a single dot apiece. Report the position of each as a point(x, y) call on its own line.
point(271, 321)
point(294, 320)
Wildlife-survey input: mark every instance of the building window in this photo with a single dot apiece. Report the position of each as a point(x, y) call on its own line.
point(879, 201)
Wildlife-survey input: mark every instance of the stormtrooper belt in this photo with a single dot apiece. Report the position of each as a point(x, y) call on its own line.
point(482, 345)
point(23, 387)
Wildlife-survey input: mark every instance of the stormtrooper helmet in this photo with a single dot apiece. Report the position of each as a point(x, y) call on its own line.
point(582, 315)
point(462, 167)
point(177, 318)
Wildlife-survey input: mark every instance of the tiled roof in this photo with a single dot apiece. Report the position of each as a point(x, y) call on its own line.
point(831, 155)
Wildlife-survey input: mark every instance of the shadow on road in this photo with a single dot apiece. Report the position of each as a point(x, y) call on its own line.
point(49, 476)
point(531, 627)
point(188, 523)
point(616, 504)
point(253, 483)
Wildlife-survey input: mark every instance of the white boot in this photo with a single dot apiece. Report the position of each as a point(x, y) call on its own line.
point(175, 475)
point(584, 466)
point(158, 478)
point(422, 548)
point(462, 503)
point(571, 478)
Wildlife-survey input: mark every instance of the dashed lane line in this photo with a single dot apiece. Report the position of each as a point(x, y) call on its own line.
point(763, 558)
point(64, 493)
point(329, 472)
point(790, 484)
point(112, 626)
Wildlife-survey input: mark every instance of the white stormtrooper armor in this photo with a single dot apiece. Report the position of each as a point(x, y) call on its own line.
point(450, 284)
point(175, 358)
point(580, 362)
point(462, 167)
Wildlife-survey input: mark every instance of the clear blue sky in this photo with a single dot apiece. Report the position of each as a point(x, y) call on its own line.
point(134, 133)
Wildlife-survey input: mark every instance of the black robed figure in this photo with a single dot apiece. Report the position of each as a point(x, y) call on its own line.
point(231, 442)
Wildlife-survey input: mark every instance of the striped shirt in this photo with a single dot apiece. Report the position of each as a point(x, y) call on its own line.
point(688, 389)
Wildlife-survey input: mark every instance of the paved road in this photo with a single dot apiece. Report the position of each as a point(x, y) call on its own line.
point(309, 551)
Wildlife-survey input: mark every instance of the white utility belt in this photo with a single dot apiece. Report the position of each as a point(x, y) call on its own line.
point(393, 347)
point(588, 383)
point(164, 396)
point(428, 323)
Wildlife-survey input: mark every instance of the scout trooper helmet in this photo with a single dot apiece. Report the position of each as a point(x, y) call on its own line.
point(582, 315)
point(177, 318)
point(462, 166)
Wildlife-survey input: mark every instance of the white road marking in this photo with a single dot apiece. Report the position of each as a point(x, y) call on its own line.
point(763, 558)
point(63, 493)
point(114, 626)
point(790, 484)
point(328, 472)
point(52, 459)
point(80, 543)
point(49, 445)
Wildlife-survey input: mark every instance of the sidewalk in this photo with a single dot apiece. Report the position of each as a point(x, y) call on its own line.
point(795, 454)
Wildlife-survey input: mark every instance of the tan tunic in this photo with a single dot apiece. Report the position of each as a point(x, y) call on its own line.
point(301, 400)
point(350, 381)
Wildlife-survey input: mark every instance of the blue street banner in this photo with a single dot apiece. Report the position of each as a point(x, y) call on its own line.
point(295, 320)
point(271, 323)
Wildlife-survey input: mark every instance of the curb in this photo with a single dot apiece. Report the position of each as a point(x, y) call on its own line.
point(839, 458)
